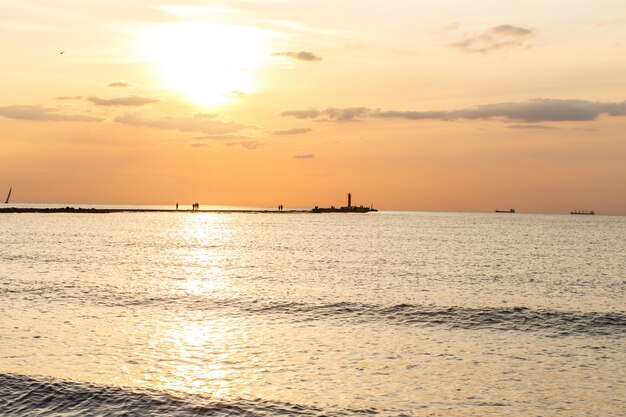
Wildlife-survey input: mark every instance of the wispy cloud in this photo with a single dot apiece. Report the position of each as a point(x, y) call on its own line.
point(534, 127)
point(69, 98)
point(498, 38)
point(294, 131)
point(120, 84)
point(530, 111)
point(197, 145)
point(221, 136)
point(305, 156)
point(205, 123)
point(250, 145)
point(37, 112)
point(131, 101)
point(300, 56)
point(302, 114)
point(330, 114)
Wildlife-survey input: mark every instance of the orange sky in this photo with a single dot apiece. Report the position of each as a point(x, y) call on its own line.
point(461, 106)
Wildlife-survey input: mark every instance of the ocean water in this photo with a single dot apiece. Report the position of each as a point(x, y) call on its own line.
point(390, 314)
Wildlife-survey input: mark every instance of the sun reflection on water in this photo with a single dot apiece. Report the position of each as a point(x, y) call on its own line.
point(200, 265)
point(200, 351)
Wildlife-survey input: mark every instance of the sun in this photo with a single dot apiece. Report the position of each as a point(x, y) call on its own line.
point(208, 64)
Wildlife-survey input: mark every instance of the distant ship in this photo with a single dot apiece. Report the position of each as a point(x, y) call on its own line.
point(8, 196)
point(506, 211)
point(347, 209)
point(585, 213)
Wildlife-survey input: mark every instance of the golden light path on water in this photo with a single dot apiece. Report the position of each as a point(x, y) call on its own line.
point(199, 352)
point(206, 63)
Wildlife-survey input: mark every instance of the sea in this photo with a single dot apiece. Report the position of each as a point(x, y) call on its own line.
point(301, 314)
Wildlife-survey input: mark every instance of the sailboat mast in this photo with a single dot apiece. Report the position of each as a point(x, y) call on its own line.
point(8, 196)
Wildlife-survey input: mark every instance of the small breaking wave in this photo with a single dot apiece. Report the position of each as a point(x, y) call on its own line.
point(497, 318)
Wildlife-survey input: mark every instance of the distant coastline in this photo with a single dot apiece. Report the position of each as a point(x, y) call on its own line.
point(135, 210)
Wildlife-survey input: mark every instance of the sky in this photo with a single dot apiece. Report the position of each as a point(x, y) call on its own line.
point(409, 105)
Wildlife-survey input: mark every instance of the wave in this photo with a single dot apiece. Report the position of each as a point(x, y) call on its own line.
point(547, 321)
point(498, 318)
point(22, 395)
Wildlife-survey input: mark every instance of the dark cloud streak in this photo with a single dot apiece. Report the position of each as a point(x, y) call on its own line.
point(533, 127)
point(69, 98)
point(530, 111)
point(300, 56)
point(119, 84)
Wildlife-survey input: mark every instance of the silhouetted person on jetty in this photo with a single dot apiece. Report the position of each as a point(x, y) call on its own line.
point(176, 206)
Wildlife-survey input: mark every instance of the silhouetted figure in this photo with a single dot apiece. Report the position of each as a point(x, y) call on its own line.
point(176, 206)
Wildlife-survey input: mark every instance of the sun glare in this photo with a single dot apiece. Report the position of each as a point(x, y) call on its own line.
point(207, 64)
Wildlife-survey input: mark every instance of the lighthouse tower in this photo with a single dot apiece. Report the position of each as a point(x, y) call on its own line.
point(349, 200)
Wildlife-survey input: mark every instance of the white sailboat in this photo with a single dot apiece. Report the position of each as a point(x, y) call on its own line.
point(8, 196)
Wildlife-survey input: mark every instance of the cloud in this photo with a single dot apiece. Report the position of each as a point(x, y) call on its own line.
point(222, 136)
point(498, 38)
point(69, 98)
point(120, 84)
point(131, 101)
point(330, 114)
point(205, 123)
point(251, 145)
point(300, 56)
point(302, 114)
point(538, 127)
point(347, 114)
point(543, 110)
point(37, 112)
point(197, 145)
point(294, 131)
point(305, 156)
point(510, 30)
point(530, 111)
